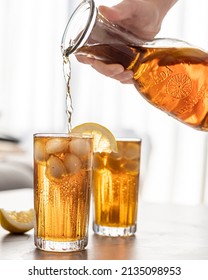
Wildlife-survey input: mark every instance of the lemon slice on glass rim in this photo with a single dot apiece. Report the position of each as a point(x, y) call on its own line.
point(17, 222)
point(104, 140)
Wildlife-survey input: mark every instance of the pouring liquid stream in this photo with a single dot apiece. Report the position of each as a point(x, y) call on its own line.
point(67, 76)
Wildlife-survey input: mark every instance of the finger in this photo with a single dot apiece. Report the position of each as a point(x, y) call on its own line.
point(129, 82)
point(115, 71)
point(109, 70)
point(125, 77)
point(111, 14)
point(136, 16)
point(118, 12)
point(106, 69)
point(85, 59)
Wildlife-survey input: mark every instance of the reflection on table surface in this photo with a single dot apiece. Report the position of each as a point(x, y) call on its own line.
point(164, 232)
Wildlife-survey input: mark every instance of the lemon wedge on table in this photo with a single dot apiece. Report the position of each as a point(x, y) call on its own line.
point(104, 140)
point(17, 222)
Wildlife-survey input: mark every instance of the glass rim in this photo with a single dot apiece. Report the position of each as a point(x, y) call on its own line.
point(128, 139)
point(62, 135)
point(75, 42)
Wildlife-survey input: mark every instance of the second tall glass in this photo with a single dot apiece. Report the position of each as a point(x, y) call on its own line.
point(115, 189)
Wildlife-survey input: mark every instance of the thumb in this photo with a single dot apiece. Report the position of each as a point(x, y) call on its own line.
point(116, 13)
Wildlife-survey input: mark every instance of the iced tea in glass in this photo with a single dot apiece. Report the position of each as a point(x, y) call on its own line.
point(115, 189)
point(62, 181)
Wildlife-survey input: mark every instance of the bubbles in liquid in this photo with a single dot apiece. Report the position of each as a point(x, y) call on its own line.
point(62, 190)
point(131, 166)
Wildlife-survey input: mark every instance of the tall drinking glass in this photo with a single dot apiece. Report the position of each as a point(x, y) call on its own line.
point(115, 189)
point(62, 180)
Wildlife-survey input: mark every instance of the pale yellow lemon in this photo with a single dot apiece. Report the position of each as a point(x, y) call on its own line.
point(17, 222)
point(104, 140)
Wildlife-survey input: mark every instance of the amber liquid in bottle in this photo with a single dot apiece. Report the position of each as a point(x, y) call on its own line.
point(172, 79)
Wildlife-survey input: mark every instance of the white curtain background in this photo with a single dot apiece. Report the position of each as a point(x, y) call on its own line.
point(174, 166)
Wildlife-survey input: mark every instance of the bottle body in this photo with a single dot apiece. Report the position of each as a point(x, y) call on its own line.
point(170, 74)
point(172, 79)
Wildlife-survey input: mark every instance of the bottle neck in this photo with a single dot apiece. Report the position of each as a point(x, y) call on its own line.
point(87, 27)
point(79, 27)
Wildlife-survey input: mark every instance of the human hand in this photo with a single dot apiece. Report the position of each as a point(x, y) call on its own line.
point(143, 18)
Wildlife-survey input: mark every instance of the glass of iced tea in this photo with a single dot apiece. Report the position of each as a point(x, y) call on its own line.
point(62, 182)
point(115, 189)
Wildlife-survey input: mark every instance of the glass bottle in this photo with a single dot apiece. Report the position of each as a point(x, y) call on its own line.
point(170, 74)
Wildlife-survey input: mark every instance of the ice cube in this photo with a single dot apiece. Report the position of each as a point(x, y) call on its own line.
point(80, 147)
point(72, 163)
point(131, 151)
point(114, 164)
point(55, 167)
point(131, 166)
point(56, 145)
point(116, 156)
point(40, 153)
point(120, 146)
